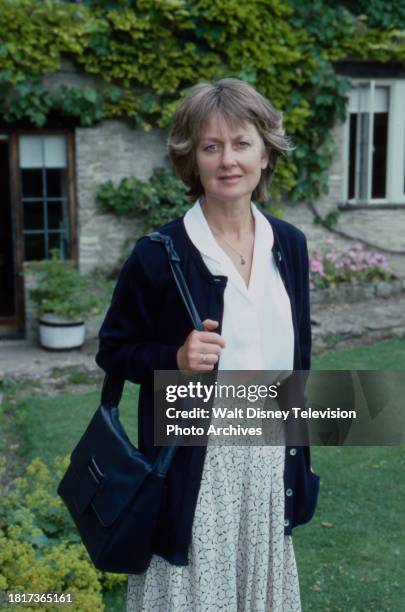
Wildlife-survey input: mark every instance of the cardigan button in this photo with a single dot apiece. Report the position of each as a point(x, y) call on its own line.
point(293, 451)
point(289, 492)
point(286, 522)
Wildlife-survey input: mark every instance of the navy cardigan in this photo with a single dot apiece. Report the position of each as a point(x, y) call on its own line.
point(143, 329)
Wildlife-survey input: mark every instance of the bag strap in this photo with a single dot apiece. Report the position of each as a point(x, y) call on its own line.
point(174, 261)
point(113, 387)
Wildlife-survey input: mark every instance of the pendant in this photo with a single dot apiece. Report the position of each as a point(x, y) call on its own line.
point(242, 260)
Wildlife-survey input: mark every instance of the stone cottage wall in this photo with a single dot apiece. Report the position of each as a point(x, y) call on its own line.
point(110, 151)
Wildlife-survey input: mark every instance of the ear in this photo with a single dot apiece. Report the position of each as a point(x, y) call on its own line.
point(265, 157)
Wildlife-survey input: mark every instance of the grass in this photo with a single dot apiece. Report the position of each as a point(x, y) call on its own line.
point(52, 426)
point(386, 355)
point(356, 563)
point(353, 563)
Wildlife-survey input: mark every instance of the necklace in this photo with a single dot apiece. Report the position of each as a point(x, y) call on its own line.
point(242, 257)
point(216, 234)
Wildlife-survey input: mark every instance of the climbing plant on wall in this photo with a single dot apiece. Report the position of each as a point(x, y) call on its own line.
point(144, 53)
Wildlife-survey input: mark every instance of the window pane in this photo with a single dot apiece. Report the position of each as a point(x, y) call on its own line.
point(55, 183)
point(380, 141)
point(31, 183)
point(352, 155)
point(55, 215)
point(30, 148)
point(363, 153)
point(55, 151)
point(381, 99)
point(33, 215)
point(34, 247)
point(57, 240)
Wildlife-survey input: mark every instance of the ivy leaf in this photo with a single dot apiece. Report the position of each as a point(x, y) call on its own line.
point(249, 75)
point(90, 95)
point(40, 541)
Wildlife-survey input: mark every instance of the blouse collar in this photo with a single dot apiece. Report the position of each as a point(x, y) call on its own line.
point(202, 237)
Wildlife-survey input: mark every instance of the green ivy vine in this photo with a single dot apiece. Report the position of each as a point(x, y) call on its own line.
point(154, 202)
point(146, 53)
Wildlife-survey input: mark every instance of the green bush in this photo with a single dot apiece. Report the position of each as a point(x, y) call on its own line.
point(40, 550)
point(63, 291)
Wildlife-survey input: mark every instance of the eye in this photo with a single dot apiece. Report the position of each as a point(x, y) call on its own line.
point(210, 148)
point(243, 144)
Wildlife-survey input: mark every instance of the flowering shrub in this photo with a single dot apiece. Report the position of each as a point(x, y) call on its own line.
point(353, 266)
point(40, 550)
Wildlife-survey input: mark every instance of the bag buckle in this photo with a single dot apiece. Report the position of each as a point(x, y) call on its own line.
point(168, 243)
point(95, 471)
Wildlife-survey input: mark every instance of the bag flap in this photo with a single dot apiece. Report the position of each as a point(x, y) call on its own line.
point(77, 490)
point(109, 469)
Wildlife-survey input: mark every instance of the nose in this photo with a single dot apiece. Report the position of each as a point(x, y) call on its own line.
point(228, 157)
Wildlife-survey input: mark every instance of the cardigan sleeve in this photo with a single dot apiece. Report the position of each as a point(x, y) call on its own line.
point(128, 346)
point(305, 335)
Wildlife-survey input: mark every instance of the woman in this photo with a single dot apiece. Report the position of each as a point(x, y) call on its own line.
point(224, 536)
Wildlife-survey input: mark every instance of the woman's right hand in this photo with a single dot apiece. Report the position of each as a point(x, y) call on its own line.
point(201, 350)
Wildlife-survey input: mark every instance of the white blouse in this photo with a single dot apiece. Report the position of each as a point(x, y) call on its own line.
point(257, 323)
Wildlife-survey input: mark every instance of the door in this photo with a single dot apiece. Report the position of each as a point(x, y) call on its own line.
point(8, 311)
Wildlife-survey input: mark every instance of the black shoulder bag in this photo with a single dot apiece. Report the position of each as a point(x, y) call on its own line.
point(111, 490)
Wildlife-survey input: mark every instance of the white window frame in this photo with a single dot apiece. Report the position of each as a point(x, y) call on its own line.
point(395, 179)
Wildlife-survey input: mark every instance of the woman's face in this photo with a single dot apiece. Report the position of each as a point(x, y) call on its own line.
point(230, 159)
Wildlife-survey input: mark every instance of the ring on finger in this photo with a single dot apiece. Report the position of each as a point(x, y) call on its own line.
point(203, 358)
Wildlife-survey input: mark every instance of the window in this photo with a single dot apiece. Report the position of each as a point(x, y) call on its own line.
point(44, 195)
point(375, 143)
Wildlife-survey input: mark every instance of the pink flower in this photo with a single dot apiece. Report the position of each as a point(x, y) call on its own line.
point(316, 266)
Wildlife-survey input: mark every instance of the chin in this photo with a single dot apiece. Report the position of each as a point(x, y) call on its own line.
point(237, 196)
point(231, 192)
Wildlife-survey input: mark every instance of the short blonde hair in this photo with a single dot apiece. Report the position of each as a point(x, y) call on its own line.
point(238, 102)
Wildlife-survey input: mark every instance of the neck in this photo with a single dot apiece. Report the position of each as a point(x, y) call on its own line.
point(232, 219)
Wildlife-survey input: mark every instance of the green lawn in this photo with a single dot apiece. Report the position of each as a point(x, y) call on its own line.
point(51, 426)
point(355, 562)
point(387, 355)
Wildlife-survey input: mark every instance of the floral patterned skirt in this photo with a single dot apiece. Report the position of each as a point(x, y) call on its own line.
point(239, 558)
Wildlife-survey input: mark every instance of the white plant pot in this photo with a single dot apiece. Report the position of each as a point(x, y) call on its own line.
point(57, 333)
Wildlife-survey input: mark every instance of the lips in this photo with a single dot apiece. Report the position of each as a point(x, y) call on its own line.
point(231, 177)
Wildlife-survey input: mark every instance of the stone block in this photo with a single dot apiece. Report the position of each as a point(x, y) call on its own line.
point(396, 287)
point(384, 289)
